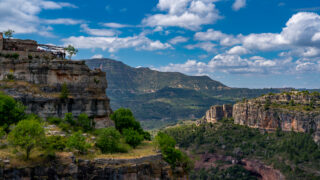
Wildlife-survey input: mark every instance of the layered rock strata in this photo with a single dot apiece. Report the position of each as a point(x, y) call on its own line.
point(66, 166)
point(288, 111)
point(38, 84)
point(218, 112)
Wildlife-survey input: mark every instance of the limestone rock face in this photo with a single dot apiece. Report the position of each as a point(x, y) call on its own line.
point(274, 111)
point(216, 113)
point(66, 166)
point(38, 83)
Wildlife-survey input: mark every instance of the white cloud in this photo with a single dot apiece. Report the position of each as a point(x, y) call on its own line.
point(22, 15)
point(212, 35)
point(207, 46)
point(189, 14)
point(116, 25)
point(65, 21)
point(98, 32)
point(97, 56)
point(178, 39)
point(238, 4)
point(112, 44)
point(238, 50)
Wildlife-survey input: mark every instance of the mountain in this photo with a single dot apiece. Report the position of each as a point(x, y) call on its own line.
point(161, 98)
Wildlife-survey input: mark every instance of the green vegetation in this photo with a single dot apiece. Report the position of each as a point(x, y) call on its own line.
point(8, 33)
point(27, 135)
point(68, 117)
point(85, 122)
point(170, 154)
point(231, 173)
point(64, 91)
point(11, 111)
point(159, 99)
point(133, 137)
point(71, 51)
point(109, 141)
point(290, 152)
point(78, 141)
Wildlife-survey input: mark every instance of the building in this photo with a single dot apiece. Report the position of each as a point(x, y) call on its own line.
point(30, 49)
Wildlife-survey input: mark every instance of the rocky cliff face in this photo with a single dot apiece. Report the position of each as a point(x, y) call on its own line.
point(38, 83)
point(217, 113)
point(66, 166)
point(288, 111)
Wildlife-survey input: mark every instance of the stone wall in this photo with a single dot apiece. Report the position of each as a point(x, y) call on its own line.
point(38, 83)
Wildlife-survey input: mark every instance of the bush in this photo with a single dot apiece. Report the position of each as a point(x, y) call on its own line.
point(10, 110)
point(146, 136)
point(78, 141)
point(65, 126)
point(132, 137)
point(85, 122)
point(64, 92)
point(68, 117)
point(54, 120)
point(10, 77)
point(124, 119)
point(30, 57)
point(108, 140)
point(56, 143)
point(27, 135)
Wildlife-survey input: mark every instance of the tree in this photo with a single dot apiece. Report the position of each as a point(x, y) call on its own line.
point(85, 122)
point(11, 111)
point(27, 135)
point(78, 141)
point(9, 33)
point(64, 91)
point(108, 140)
point(71, 51)
point(124, 119)
point(68, 117)
point(132, 137)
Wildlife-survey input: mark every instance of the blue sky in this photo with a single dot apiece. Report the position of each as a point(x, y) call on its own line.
point(242, 43)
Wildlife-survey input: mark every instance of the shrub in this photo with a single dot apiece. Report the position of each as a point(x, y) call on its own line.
point(124, 119)
point(54, 120)
point(108, 140)
point(10, 77)
point(57, 143)
point(68, 117)
point(27, 135)
point(85, 122)
point(132, 137)
point(65, 126)
point(15, 56)
point(30, 57)
point(11, 111)
point(78, 141)
point(146, 135)
point(64, 91)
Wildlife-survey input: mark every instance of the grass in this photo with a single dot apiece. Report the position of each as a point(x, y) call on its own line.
point(144, 149)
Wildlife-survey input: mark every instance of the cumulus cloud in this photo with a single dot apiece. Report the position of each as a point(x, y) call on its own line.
point(22, 15)
point(112, 44)
point(207, 46)
point(238, 4)
point(238, 50)
point(222, 38)
point(98, 32)
point(178, 39)
point(233, 64)
point(189, 14)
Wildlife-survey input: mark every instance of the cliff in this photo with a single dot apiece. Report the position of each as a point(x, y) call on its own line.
point(66, 166)
point(37, 82)
point(295, 111)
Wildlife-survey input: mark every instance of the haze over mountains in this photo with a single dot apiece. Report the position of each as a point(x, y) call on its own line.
point(162, 98)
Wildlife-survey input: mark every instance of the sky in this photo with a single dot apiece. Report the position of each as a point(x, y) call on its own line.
point(241, 43)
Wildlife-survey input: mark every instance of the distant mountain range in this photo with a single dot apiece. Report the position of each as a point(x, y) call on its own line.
point(161, 98)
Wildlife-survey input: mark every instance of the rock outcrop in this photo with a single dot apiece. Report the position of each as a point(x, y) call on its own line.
point(66, 166)
point(287, 111)
point(38, 82)
point(217, 113)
